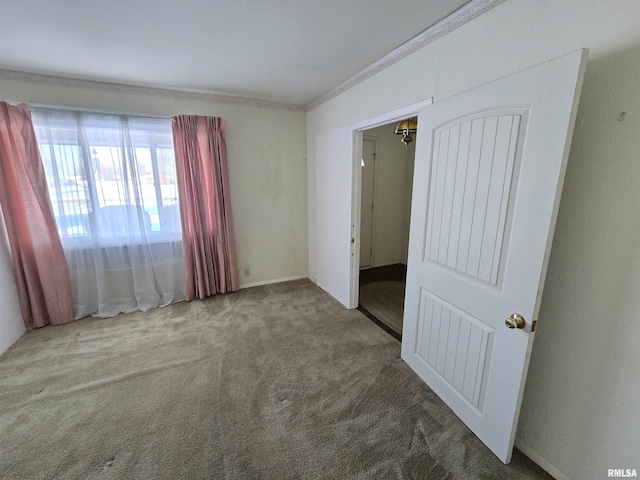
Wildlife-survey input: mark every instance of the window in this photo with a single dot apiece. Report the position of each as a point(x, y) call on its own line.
point(112, 183)
point(110, 177)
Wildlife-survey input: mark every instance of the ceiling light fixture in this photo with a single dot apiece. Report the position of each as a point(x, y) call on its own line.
point(407, 128)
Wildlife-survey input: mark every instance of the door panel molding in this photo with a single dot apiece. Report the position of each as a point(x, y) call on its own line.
point(456, 220)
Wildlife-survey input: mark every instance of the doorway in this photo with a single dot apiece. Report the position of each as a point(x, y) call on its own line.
point(385, 210)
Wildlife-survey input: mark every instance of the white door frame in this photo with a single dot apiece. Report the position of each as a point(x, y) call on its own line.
point(357, 134)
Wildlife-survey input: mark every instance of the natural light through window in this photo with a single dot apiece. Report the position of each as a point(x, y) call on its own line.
point(112, 176)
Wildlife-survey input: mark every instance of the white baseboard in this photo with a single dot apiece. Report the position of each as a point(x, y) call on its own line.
point(540, 461)
point(269, 282)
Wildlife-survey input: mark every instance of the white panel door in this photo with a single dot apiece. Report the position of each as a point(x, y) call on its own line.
point(366, 204)
point(488, 175)
point(334, 230)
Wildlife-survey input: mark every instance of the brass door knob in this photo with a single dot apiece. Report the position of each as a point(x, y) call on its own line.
point(515, 321)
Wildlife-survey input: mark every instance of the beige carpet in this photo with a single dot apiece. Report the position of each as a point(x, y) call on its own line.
point(385, 301)
point(275, 382)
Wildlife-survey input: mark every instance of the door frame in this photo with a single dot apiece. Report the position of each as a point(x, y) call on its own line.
point(358, 129)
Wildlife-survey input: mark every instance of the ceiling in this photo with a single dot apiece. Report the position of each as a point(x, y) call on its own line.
point(285, 51)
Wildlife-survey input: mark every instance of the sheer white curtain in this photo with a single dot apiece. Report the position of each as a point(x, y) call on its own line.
point(113, 189)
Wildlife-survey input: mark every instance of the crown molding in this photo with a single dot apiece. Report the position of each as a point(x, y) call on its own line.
point(39, 79)
point(458, 18)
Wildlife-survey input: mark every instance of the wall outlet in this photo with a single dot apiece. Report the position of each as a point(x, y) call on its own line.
point(247, 272)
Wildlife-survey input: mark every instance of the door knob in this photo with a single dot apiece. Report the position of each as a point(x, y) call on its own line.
point(515, 321)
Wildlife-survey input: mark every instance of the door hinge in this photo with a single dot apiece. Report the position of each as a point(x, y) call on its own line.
point(533, 325)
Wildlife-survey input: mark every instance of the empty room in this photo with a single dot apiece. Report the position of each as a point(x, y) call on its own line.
point(194, 193)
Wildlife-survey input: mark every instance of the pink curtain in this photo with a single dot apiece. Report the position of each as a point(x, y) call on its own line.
point(205, 206)
point(39, 264)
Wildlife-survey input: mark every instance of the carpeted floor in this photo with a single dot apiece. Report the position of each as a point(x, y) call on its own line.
point(274, 382)
point(387, 273)
point(385, 301)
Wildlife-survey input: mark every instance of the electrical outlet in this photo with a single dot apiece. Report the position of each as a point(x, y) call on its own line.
point(247, 272)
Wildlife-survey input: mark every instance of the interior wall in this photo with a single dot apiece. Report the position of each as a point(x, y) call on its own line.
point(389, 196)
point(267, 168)
point(579, 415)
point(410, 152)
point(11, 324)
point(583, 387)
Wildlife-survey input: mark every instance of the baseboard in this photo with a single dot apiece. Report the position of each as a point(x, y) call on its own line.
point(540, 461)
point(269, 282)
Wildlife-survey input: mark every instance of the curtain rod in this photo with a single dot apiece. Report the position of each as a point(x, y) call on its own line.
point(91, 110)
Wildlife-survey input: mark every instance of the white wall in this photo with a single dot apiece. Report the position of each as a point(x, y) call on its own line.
point(11, 324)
point(267, 167)
point(579, 416)
point(583, 391)
point(406, 214)
point(389, 196)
